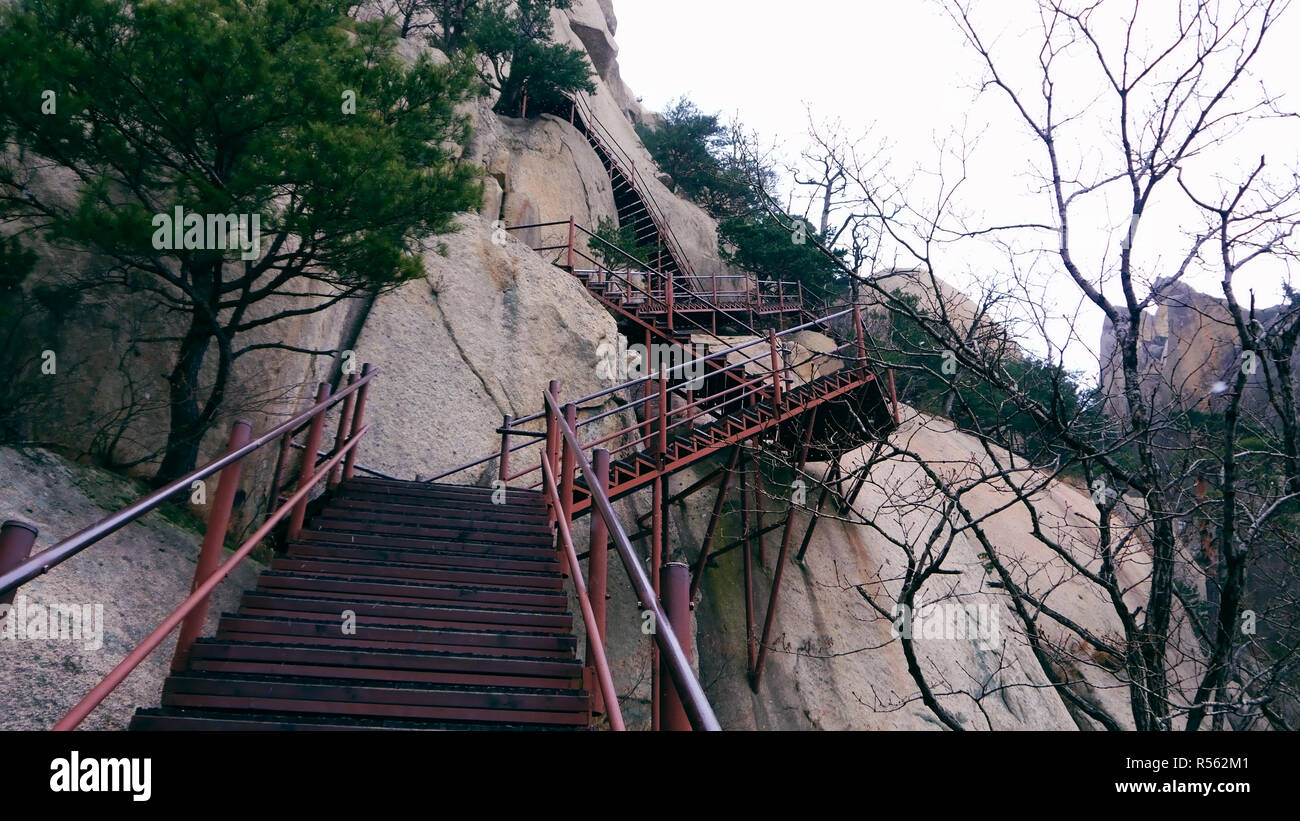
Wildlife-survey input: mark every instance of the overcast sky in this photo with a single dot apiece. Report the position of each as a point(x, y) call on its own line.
point(900, 69)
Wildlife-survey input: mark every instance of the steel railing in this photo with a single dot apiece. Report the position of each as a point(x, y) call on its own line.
point(583, 118)
point(565, 454)
point(190, 615)
point(603, 140)
point(676, 382)
point(667, 294)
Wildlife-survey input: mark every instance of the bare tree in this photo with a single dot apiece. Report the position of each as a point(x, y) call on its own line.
point(1190, 457)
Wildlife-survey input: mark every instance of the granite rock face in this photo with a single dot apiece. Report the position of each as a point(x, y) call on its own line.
point(131, 581)
point(834, 663)
point(474, 343)
point(1186, 347)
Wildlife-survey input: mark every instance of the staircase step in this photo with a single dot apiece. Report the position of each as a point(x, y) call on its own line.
point(466, 534)
point(349, 518)
point(405, 571)
point(282, 605)
point(463, 669)
point(436, 558)
point(169, 718)
point(403, 592)
point(517, 499)
point(513, 516)
point(468, 548)
point(329, 631)
point(440, 492)
point(328, 697)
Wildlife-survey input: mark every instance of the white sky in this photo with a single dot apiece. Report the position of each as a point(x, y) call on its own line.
point(900, 69)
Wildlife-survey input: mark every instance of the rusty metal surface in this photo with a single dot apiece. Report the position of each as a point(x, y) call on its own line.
point(692, 694)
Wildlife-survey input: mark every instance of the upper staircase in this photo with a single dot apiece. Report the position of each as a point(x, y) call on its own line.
point(671, 293)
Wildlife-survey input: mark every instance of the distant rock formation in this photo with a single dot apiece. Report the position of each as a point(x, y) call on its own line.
point(1189, 352)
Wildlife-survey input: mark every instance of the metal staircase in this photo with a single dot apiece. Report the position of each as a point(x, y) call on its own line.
point(402, 606)
point(396, 604)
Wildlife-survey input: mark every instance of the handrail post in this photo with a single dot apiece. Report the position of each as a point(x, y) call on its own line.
point(550, 454)
point(344, 431)
point(598, 567)
point(16, 540)
point(571, 241)
point(776, 373)
point(567, 461)
point(552, 430)
point(663, 412)
point(309, 460)
point(658, 527)
point(554, 450)
point(503, 471)
point(214, 537)
point(358, 422)
point(674, 586)
point(281, 463)
point(669, 286)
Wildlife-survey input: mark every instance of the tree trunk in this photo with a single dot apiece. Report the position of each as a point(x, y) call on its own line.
point(186, 425)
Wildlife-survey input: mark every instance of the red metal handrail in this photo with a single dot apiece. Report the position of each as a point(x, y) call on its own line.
point(674, 657)
point(209, 572)
point(653, 298)
point(124, 668)
point(680, 371)
point(673, 289)
point(514, 426)
point(595, 641)
point(65, 549)
point(676, 371)
point(769, 384)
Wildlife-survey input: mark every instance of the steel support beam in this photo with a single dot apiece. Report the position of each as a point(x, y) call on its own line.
point(816, 517)
point(674, 581)
point(775, 594)
point(314, 434)
point(682, 494)
point(748, 562)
